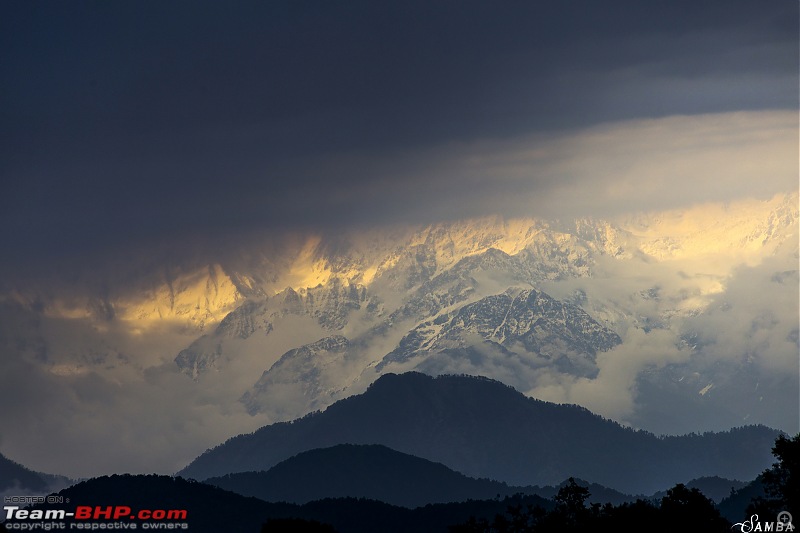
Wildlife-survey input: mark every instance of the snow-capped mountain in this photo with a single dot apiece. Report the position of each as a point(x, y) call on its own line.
point(530, 319)
point(329, 305)
point(695, 309)
point(527, 325)
point(467, 298)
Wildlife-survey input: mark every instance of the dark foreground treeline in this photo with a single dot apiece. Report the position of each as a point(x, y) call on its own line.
point(211, 509)
point(681, 509)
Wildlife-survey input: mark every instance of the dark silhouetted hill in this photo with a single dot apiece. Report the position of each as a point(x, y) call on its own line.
point(485, 429)
point(597, 493)
point(714, 488)
point(378, 473)
point(734, 507)
point(17, 479)
point(361, 471)
point(212, 510)
point(208, 508)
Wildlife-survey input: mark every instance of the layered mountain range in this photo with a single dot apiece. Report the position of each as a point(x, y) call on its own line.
point(17, 480)
point(672, 321)
point(484, 429)
point(297, 472)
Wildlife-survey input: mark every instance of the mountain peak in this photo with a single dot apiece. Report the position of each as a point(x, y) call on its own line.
point(484, 429)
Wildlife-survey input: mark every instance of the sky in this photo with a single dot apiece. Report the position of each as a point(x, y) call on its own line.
point(187, 125)
point(134, 123)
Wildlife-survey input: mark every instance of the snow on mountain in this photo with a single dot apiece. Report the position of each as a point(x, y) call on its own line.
point(526, 323)
point(402, 278)
point(299, 372)
point(329, 305)
point(527, 320)
point(73, 332)
point(283, 325)
point(647, 273)
point(199, 297)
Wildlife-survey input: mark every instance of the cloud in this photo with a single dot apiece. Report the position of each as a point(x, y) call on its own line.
point(613, 392)
point(602, 171)
point(84, 411)
point(103, 423)
point(720, 310)
point(710, 339)
point(756, 319)
point(271, 117)
point(226, 125)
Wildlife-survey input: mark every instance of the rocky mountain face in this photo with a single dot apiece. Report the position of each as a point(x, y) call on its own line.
point(529, 301)
point(328, 305)
point(528, 320)
point(672, 321)
point(523, 323)
point(447, 287)
point(304, 367)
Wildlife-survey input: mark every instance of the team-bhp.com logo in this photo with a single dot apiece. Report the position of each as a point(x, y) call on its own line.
point(782, 523)
point(123, 516)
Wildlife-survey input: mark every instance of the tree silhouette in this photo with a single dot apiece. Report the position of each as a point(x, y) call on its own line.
point(295, 525)
point(572, 497)
point(782, 481)
point(682, 509)
point(683, 506)
point(571, 506)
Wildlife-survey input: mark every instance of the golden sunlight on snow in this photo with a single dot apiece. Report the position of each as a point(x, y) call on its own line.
point(307, 269)
point(744, 230)
point(199, 297)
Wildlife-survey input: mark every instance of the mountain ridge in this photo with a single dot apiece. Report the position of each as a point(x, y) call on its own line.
point(375, 472)
point(16, 479)
point(485, 429)
point(700, 297)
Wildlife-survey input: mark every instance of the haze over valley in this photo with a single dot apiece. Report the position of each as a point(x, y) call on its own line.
point(520, 250)
point(692, 308)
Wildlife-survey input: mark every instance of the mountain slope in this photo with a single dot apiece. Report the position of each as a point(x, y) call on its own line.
point(704, 300)
point(16, 479)
point(210, 509)
point(361, 471)
point(485, 429)
point(528, 326)
point(528, 320)
point(376, 472)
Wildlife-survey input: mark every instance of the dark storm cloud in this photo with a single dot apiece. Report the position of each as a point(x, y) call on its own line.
point(131, 121)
